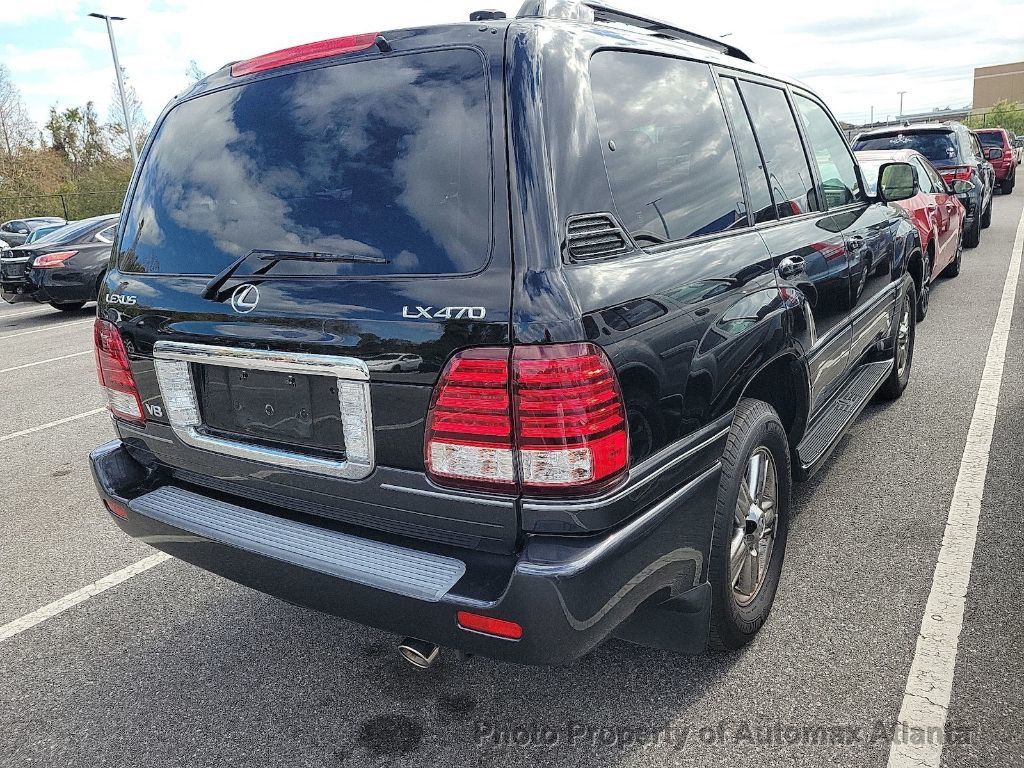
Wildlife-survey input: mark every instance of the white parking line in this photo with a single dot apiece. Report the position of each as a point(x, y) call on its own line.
point(57, 423)
point(42, 362)
point(56, 327)
point(34, 310)
point(930, 684)
point(7, 631)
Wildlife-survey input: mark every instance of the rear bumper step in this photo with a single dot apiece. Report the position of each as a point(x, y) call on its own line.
point(568, 593)
point(421, 575)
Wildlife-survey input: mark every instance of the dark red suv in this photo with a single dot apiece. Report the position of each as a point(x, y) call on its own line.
point(1004, 162)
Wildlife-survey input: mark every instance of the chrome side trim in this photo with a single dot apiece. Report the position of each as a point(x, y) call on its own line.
point(448, 496)
point(639, 476)
point(173, 363)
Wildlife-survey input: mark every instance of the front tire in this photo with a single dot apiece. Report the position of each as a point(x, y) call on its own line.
point(953, 269)
point(751, 523)
point(973, 235)
point(926, 289)
point(986, 216)
point(904, 335)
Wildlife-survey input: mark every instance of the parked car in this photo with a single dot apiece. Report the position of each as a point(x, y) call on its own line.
point(935, 211)
point(16, 231)
point(957, 155)
point(646, 335)
point(41, 232)
point(395, 362)
point(1018, 150)
point(64, 268)
point(999, 151)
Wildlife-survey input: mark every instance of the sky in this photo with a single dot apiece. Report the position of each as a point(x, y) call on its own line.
point(855, 55)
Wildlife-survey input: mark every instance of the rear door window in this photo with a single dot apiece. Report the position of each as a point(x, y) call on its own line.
point(792, 183)
point(831, 154)
point(383, 164)
point(666, 146)
point(761, 206)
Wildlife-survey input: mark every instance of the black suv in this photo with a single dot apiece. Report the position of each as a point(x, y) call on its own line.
point(957, 155)
point(638, 284)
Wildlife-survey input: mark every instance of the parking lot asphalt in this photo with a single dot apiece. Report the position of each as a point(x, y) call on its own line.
point(178, 667)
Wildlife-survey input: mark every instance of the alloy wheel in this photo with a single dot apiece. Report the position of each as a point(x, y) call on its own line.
point(754, 526)
point(903, 339)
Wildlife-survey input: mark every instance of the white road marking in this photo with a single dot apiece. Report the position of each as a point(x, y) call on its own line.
point(930, 683)
point(57, 423)
point(34, 310)
point(7, 631)
point(55, 327)
point(42, 362)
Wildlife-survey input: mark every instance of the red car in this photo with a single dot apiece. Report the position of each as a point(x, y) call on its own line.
point(935, 211)
point(1004, 161)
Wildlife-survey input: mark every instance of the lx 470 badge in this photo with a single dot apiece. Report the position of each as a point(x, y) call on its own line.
point(444, 313)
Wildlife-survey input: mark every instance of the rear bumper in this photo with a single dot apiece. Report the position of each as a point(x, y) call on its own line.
point(569, 593)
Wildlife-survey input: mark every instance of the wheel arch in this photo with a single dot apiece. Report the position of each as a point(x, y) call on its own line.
point(783, 382)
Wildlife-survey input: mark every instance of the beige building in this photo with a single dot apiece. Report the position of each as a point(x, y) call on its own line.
point(1003, 81)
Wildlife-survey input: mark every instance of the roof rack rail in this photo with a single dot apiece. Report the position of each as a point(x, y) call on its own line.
point(581, 10)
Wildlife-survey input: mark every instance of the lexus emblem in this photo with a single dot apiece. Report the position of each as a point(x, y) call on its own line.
point(245, 298)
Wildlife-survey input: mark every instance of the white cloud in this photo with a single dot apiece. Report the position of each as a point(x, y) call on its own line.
point(856, 55)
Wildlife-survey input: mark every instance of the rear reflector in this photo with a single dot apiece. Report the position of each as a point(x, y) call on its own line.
point(115, 373)
point(305, 52)
point(488, 625)
point(52, 260)
point(545, 419)
point(118, 510)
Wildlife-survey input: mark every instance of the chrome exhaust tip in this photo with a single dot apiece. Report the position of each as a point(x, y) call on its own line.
point(419, 653)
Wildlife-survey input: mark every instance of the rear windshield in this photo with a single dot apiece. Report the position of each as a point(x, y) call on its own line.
point(383, 163)
point(991, 139)
point(938, 146)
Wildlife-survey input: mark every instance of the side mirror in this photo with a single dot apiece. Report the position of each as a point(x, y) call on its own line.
point(960, 187)
point(994, 153)
point(897, 181)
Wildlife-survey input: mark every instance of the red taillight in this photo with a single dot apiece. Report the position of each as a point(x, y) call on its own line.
point(52, 260)
point(305, 52)
point(556, 424)
point(488, 625)
point(115, 373)
point(118, 510)
point(955, 174)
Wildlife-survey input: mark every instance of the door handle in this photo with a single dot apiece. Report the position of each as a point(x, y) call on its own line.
point(791, 266)
point(856, 242)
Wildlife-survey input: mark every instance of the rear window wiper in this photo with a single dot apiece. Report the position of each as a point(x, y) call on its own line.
point(272, 257)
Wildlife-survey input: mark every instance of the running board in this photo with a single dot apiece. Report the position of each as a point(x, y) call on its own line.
point(832, 423)
point(408, 572)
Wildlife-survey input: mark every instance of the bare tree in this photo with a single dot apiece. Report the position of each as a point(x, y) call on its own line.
point(193, 72)
point(16, 128)
point(116, 128)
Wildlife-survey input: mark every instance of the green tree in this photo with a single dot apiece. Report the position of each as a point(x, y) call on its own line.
point(1003, 114)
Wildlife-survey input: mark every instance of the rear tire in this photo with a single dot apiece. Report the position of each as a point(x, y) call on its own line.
point(743, 585)
point(1008, 184)
point(904, 334)
point(68, 306)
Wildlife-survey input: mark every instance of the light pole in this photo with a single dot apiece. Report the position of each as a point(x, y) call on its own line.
point(901, 102)
point(120, 82)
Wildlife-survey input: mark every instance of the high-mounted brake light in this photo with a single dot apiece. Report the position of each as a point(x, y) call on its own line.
point(305, 52)
point(541, 419)
point(115, 373)
point(52, 260)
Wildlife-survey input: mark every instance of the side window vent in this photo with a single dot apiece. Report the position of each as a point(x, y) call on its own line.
point(595, 236)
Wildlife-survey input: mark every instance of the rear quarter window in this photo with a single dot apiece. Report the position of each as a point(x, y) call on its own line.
point(386, 158)
point(666, 146)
